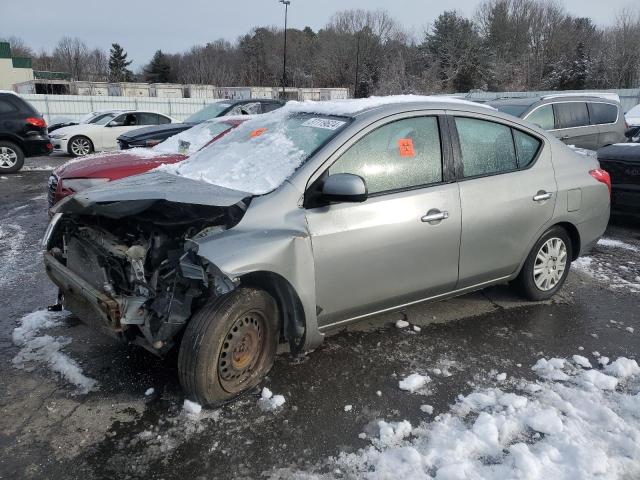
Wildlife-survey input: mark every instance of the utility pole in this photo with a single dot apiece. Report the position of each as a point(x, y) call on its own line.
point(286, 4)
point(355, 87)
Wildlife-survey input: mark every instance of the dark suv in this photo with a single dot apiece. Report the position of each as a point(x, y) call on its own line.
point(23, 132)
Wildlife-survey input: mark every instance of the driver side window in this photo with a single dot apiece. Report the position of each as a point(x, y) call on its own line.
point(402, 154)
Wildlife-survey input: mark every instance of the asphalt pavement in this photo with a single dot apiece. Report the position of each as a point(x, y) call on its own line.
point(49, 430)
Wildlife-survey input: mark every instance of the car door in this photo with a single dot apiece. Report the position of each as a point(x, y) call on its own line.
point(507, 195)
point(116, 127)
point(573, 126)
point(385, 252)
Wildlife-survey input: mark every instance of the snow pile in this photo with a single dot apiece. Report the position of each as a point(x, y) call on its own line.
point(613, 243)
point(190, 141)
point(269, 402)
point(582, 361)
point(623, 368)
point(556, 430)
point(402, 324)
point(47, 349)
point(191, 408)
point(612, 275)
point(414, 382)
point(551, 369)
point(11, 245)
point(599, 380)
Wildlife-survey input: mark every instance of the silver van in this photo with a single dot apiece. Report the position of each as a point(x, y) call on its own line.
point(585, 121)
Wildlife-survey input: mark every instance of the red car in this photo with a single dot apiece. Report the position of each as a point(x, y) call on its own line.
point(87, 172)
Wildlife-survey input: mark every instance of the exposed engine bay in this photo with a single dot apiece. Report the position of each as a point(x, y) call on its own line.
point(142, 270)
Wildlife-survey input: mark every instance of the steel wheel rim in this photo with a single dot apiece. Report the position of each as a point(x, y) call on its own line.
point(80, 146)
point(550, 264)
point(8, 157)
point(241, 351)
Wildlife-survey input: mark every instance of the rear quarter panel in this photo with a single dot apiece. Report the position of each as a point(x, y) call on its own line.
point(582, 200)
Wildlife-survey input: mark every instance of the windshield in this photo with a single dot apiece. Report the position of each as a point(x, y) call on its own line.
point(515, 110)
point(208, 112)
point(634, 112)
point(259, 155)
point(104, 119)
point(193, 139)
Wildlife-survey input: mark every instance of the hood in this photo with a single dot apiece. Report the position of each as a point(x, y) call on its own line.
point(155, 131)
point(73, 129)
point(133, 195)
point(116, 165)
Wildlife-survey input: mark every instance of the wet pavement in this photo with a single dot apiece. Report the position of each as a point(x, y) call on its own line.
point(49, 430)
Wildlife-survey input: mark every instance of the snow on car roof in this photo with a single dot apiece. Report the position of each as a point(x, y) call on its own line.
point(355, 106)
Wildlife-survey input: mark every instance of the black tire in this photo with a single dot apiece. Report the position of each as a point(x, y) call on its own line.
point(211, 356)
point(79, 139)
point(526, 283)
point(11, 157)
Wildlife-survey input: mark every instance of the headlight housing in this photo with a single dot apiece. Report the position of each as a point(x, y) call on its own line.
point(80, 184)
point(57, 136)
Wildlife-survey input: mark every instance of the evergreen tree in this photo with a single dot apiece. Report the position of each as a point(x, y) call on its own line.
point(159, 69)
point(118, 63)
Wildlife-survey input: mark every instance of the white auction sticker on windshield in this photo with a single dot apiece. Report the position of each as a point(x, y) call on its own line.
point(326, 123)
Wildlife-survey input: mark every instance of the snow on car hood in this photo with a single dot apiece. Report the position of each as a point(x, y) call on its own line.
point(262, 153)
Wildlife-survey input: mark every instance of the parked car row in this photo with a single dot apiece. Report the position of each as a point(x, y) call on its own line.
point(317, 215)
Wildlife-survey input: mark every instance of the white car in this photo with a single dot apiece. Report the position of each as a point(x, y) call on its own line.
point(633, 116)
point(101, 135)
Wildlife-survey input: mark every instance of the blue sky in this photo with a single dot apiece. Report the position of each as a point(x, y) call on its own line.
point(143, 26)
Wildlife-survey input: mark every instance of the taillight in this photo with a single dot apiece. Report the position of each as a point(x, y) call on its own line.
point(37, 122)
point(601, 176)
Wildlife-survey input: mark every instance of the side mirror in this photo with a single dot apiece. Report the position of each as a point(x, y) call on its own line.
point(344, 187)
point(114, 123)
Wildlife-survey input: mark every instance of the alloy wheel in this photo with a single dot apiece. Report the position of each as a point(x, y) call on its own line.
point(80, 147)
point(550, 264)
point(8, 157)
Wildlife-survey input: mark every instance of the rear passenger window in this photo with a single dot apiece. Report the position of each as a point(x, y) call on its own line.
point(6, 107)
point(487, 147)
point(145, 118)
point(572, 114)
point(163, 120)
point(543, 117)
point(402, 154)
point(526, 148)
point(603, 113)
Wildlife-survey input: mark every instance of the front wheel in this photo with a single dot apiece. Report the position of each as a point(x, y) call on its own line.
point(80, 146)
point(228, 346)
point(547, 266)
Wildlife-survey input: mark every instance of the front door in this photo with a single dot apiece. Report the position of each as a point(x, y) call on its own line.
point(507, 194)
point(400, 245)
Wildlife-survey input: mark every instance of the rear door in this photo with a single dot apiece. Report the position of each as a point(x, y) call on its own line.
point(606, 116)
point(573, 125)
point(507, 195)
point(383, 252)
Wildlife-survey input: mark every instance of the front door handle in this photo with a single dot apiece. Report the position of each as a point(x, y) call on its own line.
point(435, 216)
point(541, 196)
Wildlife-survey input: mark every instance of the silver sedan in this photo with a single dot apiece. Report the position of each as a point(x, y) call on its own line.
point(318, 215)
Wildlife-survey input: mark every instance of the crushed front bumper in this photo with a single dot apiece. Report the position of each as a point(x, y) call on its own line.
point(91, 306)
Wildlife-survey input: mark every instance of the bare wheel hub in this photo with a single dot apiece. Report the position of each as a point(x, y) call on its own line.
point(241, 351)
point(550, 264)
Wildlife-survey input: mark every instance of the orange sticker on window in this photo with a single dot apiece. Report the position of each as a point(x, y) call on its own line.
point(257, 132)
point(406, 147)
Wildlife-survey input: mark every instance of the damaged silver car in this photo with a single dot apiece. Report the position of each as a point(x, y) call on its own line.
point(317, 215)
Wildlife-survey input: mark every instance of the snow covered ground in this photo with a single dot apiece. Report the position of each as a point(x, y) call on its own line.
point(575, 422)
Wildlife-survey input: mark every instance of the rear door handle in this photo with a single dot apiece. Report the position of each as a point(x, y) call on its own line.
point(541, 196)
point(435, 216)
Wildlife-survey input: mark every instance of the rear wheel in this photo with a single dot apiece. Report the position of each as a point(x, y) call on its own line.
point(228, 346)
point(80, 146)
point(547, 265)
point(11, 157)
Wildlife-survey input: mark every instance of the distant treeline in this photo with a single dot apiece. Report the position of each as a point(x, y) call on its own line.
point(508, 45)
